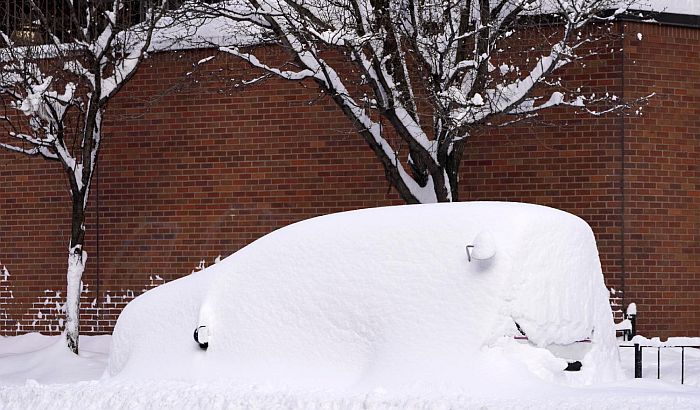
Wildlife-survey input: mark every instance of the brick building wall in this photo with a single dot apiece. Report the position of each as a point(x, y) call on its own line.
point(195, 168)
point(662, 177)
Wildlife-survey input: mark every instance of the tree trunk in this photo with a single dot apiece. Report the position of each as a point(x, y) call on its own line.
point(454, 160)
point(76, 266)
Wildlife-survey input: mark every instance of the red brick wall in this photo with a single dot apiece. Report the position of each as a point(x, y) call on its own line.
point(663, 178)
point(198, 173)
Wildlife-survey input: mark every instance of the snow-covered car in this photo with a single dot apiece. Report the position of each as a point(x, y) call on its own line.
point(452, 296)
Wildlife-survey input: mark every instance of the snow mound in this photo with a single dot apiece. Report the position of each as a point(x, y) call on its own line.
point(47, 360)
point(386, 299)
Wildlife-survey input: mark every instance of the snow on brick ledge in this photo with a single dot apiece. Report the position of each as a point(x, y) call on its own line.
point(46, 314)
point(688, 7)
point(383, 298)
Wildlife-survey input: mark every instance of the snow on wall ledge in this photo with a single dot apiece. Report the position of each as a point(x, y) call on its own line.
point(46, 313)
point(688, 7)
point(383, 298)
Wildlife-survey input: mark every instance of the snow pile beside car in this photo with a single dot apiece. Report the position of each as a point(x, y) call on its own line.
point(47, 360)
point(384, 299)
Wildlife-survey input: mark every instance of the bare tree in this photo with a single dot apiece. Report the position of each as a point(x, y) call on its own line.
point(60, 64)
point(429, 72)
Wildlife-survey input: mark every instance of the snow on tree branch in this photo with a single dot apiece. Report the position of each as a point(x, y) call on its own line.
point(55, 83)
point(432, 72)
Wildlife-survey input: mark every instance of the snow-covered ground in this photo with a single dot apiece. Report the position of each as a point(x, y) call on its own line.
point(46, 360)
point(36, 372)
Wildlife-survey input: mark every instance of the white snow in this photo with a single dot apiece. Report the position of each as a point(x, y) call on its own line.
point(36, 374)
point(689, 7)
point(204, 33)
point(76, 267)
point(624, 325)
point(217, 32)
point(204, 60)
point(670, 342)
point(484, 246)
point(383, 298)
point(47, 360)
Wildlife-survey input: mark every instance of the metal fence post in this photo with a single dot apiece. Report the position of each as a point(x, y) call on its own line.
point(682, 364)
point(637, 361)
point(633, 321)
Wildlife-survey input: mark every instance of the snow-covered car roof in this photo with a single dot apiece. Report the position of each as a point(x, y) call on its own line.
point(383, 297)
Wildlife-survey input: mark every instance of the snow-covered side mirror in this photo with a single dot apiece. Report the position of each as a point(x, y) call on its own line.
point(201, 336)
point(483, 247)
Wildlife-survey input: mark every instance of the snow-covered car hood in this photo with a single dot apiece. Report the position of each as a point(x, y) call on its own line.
point(383, 298)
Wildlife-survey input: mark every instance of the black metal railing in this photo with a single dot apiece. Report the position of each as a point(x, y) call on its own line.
point(629, 333)
point(31, 24)
point(639, 346)
point(638, 357)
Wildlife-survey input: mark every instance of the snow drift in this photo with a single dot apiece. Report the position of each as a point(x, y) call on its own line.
point(386, 299)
